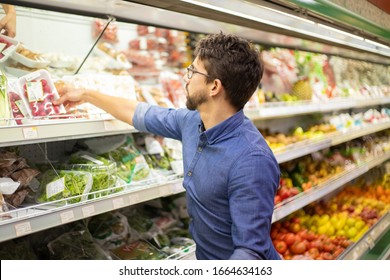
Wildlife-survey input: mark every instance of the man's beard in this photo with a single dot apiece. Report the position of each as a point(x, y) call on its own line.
point(194, 101)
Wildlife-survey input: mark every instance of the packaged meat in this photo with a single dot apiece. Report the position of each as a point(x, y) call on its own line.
point(8, 46)
point(40, 92)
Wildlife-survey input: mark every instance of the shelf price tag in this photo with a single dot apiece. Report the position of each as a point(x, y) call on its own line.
point(370, 242)
point(118, 202)
point(30, 132)
point(23, 228)
point(88, 211)
point(67, 216)
point(134, 198)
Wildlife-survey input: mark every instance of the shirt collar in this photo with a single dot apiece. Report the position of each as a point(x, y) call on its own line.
point(222, 129)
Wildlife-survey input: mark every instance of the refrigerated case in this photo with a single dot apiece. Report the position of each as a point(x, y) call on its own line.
point(199, 17)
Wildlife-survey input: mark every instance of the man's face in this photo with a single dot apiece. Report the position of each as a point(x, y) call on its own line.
point(196, 89)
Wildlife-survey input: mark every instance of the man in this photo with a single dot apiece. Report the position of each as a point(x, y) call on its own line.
point(230, 174)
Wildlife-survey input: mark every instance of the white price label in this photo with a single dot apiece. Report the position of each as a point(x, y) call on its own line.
point(134, 198)
point(118, 202)
point(30, 132)
point(55, 187)
point(67, 216)
point(88, 211)
point(23, 229)
point(34, 91)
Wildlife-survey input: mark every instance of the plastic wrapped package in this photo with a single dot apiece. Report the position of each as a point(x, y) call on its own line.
point(76, 245)
point(110, 34)
point(113, 85)
point(17, 250)
point(138, 250)
point(18, 107)
point(16, 168)
point(103, 172)
point(8, 46)
point(173, 84)
point(73, 186)
point(132, 166)
point(110, 230)
point(40, 92)
point(5, 112)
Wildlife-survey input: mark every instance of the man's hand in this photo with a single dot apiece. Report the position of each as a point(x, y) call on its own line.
point(71, 98)
point(8, 22)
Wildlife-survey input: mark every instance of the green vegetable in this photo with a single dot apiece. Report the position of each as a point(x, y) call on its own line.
point(5, 112)
point(74, 184)
point(102, 170)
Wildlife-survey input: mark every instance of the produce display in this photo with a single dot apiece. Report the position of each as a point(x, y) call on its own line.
point(302, 174)
point(159, 229)
point(102, 170)
point(324, 229)
point(292, 75)
point(63, 184)
point(130, 162)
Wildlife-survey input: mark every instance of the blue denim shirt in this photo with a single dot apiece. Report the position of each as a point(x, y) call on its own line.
point(230, 178)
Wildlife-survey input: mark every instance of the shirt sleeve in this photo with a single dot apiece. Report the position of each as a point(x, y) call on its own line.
point(252, 186)
point(166, 122)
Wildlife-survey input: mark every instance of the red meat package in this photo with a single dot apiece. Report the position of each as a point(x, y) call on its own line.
point(40, 92)
point(18, 107)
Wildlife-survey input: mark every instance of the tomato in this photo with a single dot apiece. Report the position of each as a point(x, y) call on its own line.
point(314, 252)
point(298, 248)
point(316, 244)
point(289, 238)
point(281, 246)
point(329, 247)
point(326, 256)
point(294, 227)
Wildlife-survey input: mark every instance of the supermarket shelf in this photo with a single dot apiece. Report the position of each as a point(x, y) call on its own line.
point(368, 240)
point(297, 202)
point(359, 132)
point(286, 109)
point(56, 131)
point(302, 148)
point(35, 218)
point(306, 147)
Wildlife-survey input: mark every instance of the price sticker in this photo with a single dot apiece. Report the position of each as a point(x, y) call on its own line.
point(67, 216)
point(118, 202)
point(370, 242)
point(23, 228)
point(30, 132)
point(134, 198)
point(88, 211)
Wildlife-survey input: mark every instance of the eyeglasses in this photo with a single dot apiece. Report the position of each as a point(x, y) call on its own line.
point(191, 71)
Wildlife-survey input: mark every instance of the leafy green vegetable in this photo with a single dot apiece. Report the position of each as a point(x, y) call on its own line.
point(65, 184)
point(5, 112)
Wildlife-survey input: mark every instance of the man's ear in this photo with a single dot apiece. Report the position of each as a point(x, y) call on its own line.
point(216, 87)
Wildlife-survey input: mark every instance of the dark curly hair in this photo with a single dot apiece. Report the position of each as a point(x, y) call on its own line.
point(234, 61)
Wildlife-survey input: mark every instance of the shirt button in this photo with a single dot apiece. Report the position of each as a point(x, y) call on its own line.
point(200, 149)
point(189, 173)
